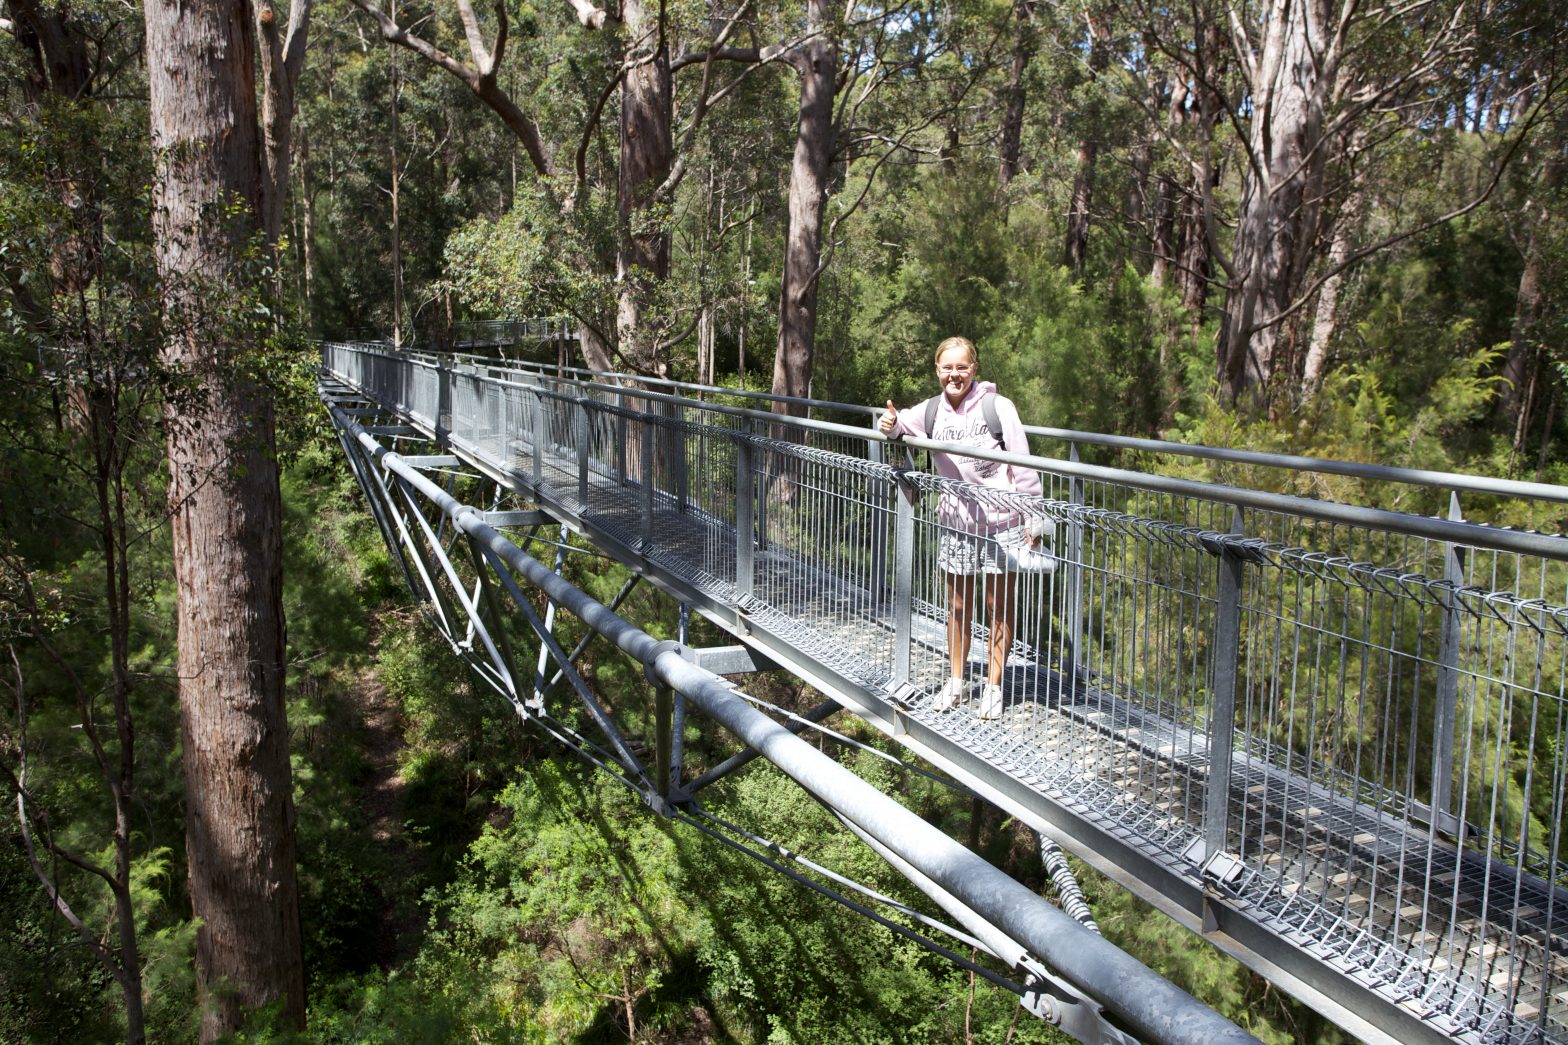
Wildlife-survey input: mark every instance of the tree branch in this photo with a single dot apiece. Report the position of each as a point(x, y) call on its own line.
point(481, 79)
point(589, 15)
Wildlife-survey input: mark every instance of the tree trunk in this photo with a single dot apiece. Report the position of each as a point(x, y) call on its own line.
point(1088, 156)
point(307, 233)
point(642, 263)
point(1326, 317)
point(1521, 360)
point(397, 238)
point(1163, 230)
point(1276, 223)
point(1013, 117)
point(817, 63)
point(59, 62)
point(60, 75)
point(226, 517)
point(282, 58)
point(596, 356)
point(1195, 261)
point(1198, 213)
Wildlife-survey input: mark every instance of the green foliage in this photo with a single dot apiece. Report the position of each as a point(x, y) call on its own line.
point(1356, 417)
point(51, 989)
point(534, 261)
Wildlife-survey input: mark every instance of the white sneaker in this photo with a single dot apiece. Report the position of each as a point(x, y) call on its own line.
point(991, 702)
point(952, 692)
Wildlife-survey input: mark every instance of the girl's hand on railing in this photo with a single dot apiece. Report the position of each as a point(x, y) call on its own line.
point(1041, 531)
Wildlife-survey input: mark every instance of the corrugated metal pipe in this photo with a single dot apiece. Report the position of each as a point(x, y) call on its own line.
point(1068, 895)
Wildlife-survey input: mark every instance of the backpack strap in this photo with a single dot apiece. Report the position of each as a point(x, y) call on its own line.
point(993, 420)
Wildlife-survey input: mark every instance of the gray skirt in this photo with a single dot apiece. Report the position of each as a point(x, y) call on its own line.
point(969, 554)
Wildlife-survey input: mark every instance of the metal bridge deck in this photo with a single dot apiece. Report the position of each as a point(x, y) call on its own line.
point(1049, 717)
point(1322, 880)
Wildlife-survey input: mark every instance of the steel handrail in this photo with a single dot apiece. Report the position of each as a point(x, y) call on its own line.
point(1470, 534)
point(1430, 478)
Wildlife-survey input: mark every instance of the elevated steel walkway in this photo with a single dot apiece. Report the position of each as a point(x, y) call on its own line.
point(1329, 738)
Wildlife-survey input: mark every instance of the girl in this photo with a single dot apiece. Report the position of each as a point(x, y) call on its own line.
point(968, 547)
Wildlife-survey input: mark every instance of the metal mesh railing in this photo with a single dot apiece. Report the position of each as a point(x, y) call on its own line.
point(1347, 722)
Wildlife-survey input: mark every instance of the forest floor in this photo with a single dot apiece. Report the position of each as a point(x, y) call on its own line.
point(382, 801)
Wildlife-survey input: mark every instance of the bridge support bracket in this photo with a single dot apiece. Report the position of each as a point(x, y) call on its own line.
point(520, 518)
point(728, 660)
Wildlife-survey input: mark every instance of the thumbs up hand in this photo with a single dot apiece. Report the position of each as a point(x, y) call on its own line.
point(889, 419)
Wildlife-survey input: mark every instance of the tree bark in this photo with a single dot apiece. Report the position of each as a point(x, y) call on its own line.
point(1162, 230)
point(59, 64)
point(817, 63)
point(642, 262)
point(1522, 357)
point(1325, 318)
point(1013, 116)
point(282, 59)
point(226, 516)
point(1088, 156)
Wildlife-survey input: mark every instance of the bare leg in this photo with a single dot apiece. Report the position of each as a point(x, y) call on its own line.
point(1001, 607)
point(960, 596)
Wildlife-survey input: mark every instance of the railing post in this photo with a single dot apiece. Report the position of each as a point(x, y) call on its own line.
point(647, 477)
point(879, 495)
point(1443, 725)
point(539, 441)
point(1222, 711)
point(745, 517)
point(1074, 662)
point(903, 582)
point(443, 418)
point(620, 439)
point(584, 441)
point(678, 456)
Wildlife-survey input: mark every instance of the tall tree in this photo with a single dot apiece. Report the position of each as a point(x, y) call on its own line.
point(1522, 367)
point(226, 513)
point(282, 60)
point(1082, 201)
point(1025, 41)
point(642, 261)
point(815, 59)
point(1314, 74)
point(88, 319)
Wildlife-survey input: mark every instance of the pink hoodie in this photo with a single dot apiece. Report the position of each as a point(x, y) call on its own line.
point(966, 426)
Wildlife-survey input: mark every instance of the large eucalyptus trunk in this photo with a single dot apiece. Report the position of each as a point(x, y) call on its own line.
point(817, 63)
point(282, 59)
point(1281, 187)
point(1013, 115)
point(643, 260)
point(226, 516)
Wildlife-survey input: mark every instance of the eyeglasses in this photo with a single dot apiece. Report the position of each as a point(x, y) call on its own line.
point(950, 371)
